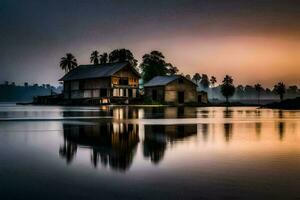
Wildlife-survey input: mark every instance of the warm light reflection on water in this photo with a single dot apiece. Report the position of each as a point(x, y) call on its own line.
point(151, 152)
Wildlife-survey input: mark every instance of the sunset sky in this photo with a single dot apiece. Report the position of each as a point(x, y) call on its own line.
point(252, 40)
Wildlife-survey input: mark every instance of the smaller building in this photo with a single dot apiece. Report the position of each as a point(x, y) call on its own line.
point(175, 89)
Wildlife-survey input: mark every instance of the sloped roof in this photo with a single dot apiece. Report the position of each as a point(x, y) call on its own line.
point(95, 71)
point(163, 80)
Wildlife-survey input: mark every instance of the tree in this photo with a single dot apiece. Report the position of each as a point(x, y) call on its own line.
point(227, 88)
point(204, 81)
point(240, 91)
point(250, 91)
point(196, 78)
point(258, 89)
point(188, 77)
point(95, 57)
point(154, 64)
point(122, 55)
point(103, 58)
point(68, 62)
point(280, 90)
point(213, 81)
point(292, 90)
point(172, 70)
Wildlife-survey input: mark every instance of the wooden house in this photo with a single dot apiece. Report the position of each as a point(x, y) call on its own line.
point(174, 89)
point(105, 83)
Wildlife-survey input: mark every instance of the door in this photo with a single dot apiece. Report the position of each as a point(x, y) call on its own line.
point(154, 95)
point(180, 97)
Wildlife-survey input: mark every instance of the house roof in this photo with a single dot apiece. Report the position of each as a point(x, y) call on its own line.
point(163, 80)
point(95, 71)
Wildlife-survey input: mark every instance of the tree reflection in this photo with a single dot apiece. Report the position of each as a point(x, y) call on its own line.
point(258, 129)
point(281, 130)
point(281, 125)
point(228, 131)
point(158, 136)
point(227, 113)
point(68, 151)
point(170, 112)
point(113, 144)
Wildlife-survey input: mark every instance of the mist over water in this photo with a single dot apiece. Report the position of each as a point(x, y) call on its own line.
point(149, 153)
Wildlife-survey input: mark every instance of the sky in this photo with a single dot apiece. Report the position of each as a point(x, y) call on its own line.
point(255, 41)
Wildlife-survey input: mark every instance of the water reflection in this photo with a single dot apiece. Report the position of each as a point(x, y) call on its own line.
point(113, 144)
point(170, 112)
point(281, 125)
point(227, 113)
point(156, 149)
point(258, 129)
point(228, 131)
point(158, 136)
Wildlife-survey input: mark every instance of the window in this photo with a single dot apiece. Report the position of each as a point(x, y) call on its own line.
point(123, 82)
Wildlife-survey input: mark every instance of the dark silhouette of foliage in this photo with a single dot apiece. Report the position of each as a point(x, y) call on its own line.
point(213, 81)
point(188, 77)
point(154, 64)
point(196, 78)
point(227, 88)
point(293, 90)
point(103, 58)
point(240, 91)
point(25, 92)
point(204, 81)
point(258, 89)
point(95, 57)
point(122, 55)
point(280, 90)
point(172, 70)
point(68, 62)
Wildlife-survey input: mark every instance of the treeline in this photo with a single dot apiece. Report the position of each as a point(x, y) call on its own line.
point(154, 64)
point(240, 92)
point(10, 92)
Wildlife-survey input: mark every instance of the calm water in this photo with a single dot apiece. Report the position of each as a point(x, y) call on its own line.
point(148, 153)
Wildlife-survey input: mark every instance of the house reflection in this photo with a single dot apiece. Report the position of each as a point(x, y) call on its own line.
point(204, 131)
point(105, 111)
point(111, 144)
point(170, 112)
point(157, 138)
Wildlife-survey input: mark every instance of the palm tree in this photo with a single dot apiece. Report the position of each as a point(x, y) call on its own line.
point(196, 78)
point(68, 62)
point(280, 89)
point(213, 81)
point(95, 57)
point(103, 58)
point(258, 89)
point(227, 88)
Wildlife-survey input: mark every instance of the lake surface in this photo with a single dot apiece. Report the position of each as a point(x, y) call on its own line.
point(148, 153)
